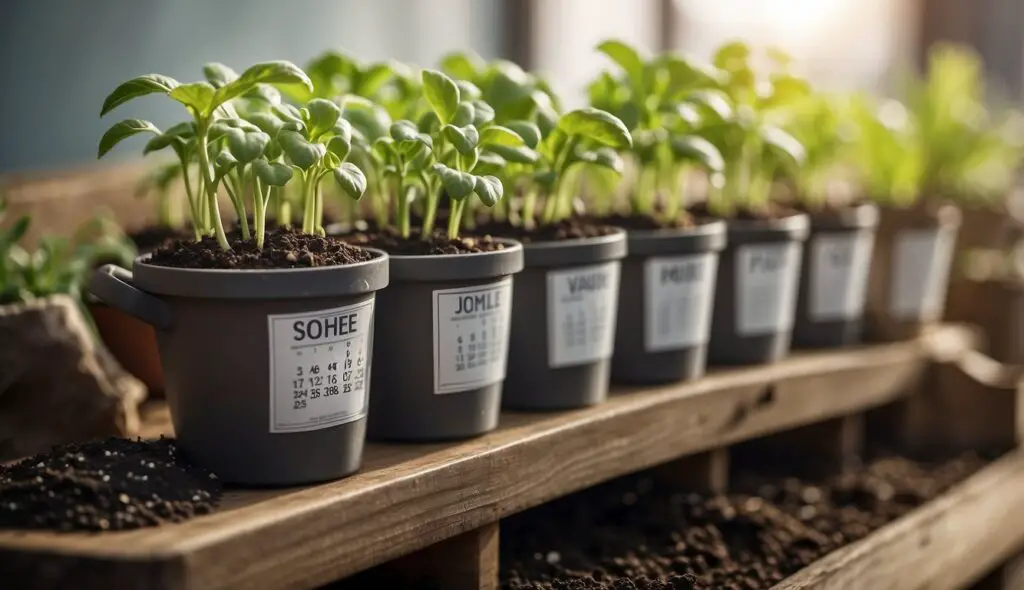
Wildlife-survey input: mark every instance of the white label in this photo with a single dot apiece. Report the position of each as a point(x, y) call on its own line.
point(839, 275)
point(678, 293)
point(318, 372)
point(920, 271)
point(582, 304)
point(471, 336)
point(767, 278)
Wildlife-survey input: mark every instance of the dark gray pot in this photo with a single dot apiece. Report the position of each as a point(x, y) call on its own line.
point(553, 364)
point(756, 294)
point(218, 331)
point(665, 304)
point(834, 280)
point(425, 388)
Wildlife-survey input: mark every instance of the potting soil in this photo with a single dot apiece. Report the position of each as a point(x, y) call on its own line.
point(567, 229)
point(112, 484)
point(282, 248)
point(392, 242)
point(636, 533)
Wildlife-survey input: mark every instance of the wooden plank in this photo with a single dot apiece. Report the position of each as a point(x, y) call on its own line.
point(947, 544)
point(706, 472)
point(408, 497)
point(823, 447)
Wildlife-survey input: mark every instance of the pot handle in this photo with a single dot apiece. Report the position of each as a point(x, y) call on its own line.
point(113, 286)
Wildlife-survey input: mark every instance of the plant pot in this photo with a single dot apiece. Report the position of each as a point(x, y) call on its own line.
point(665, 304)
point(442, 345)
point(756, 290)
point(251, 359)
point(910, 270)
point(834, 279)
point(133, 344)
point(563, 323)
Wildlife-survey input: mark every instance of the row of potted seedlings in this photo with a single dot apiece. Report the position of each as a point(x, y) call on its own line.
point(502, 260)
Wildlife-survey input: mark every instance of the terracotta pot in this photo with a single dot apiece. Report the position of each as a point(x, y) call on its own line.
point(910, 269)
point(133, 344)
point(997, 306)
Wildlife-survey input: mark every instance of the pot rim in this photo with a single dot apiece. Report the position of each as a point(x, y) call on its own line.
point(709, 236)
point(577, 251)
point(794, 227)
point(459, 267)
point(855, 217)
point(278, 283)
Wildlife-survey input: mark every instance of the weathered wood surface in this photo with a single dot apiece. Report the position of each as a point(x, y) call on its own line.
point(408, 497)
point(947, 544)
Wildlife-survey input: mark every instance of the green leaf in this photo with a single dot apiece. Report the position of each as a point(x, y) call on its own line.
point(517, 155)
point(489, 163)
point(429, 123)
point(267, 122)
point(136, 87)
point(197, 96)
point(271, 72)
point(246, 141)
point(783, 146)
point(482, 113)
point(498, 135)
point(697, 149)
point(465, 139)
point(597, 125)
point(467, 90)
point(178, 135)
point(489, 189)
point(288, 113)
point(299, 150)
point(340, 146)
point(458, 185)
point(605, 158)
point(527, 130)
point(371, 119)
point(264, 93)
point(462, 65)
point(711, 102)
point(123, 130)
point(222, 164)
point(442, 93)
point(351, 180)
point(732, 56)
point(272, 173)
point(464, 114)
point(404, 130)
point(218, 74)
point(627, 58)
point(384, 150)
point(323, 114)
point(372, 78)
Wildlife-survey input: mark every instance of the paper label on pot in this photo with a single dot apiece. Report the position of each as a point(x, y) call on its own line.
point(319, 367)
point(767, 278)
point(678, 293)
point(839, 275)
point(920, 272)
point(582, 304)
point(471, 327)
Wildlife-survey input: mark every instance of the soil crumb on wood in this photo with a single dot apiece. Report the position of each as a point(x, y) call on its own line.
point(106, 485)
point(282, 248)
point(568, 229)
point(439, 244)
point(637, 533)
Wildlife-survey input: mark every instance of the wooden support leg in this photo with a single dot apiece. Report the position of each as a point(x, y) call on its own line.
point(1009, 576)
point(466, 562)
point(821, 448)
point(706, 472)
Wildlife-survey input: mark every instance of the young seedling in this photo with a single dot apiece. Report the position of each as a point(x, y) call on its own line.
point(159, 183)
point(207, 105)
point(824, 127)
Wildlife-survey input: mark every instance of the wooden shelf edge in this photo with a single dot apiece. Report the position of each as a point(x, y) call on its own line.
point(946, 544)
point(408, 497)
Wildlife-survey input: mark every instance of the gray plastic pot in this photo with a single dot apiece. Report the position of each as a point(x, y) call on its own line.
point(665, 304)
point(834, 280)
point(239, 347)
point(442, 345)
point(756, 292)
point(563, 323)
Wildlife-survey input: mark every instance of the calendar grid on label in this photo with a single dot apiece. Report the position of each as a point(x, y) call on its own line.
point(581, 313)
point(470, 352)
point(677, 300)
point(320, 383)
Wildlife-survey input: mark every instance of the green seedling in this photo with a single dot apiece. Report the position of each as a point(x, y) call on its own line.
point(210, 107)
point(159, 183)
point(825, 127)
point(886, 153)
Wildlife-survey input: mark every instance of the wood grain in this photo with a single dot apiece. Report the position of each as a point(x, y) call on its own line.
point(408, 497)
point(947, 544)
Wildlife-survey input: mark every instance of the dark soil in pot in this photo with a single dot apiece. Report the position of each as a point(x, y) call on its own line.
point(441, 336)
point(106, 485)
point(635, 533)
point(834, 279)
point(151, 237)
point(563, 313)
point(666, 298)
point(756, 287)
point(266, 353)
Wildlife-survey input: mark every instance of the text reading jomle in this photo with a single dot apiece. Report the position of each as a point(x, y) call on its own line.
point(473, 303)
point(334, 326)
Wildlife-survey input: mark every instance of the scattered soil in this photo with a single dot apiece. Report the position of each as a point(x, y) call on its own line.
point(635, 533)
point(152, 237)
point(568, 229)
point(112, 484)
point(391, 242)
point(282, 248)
